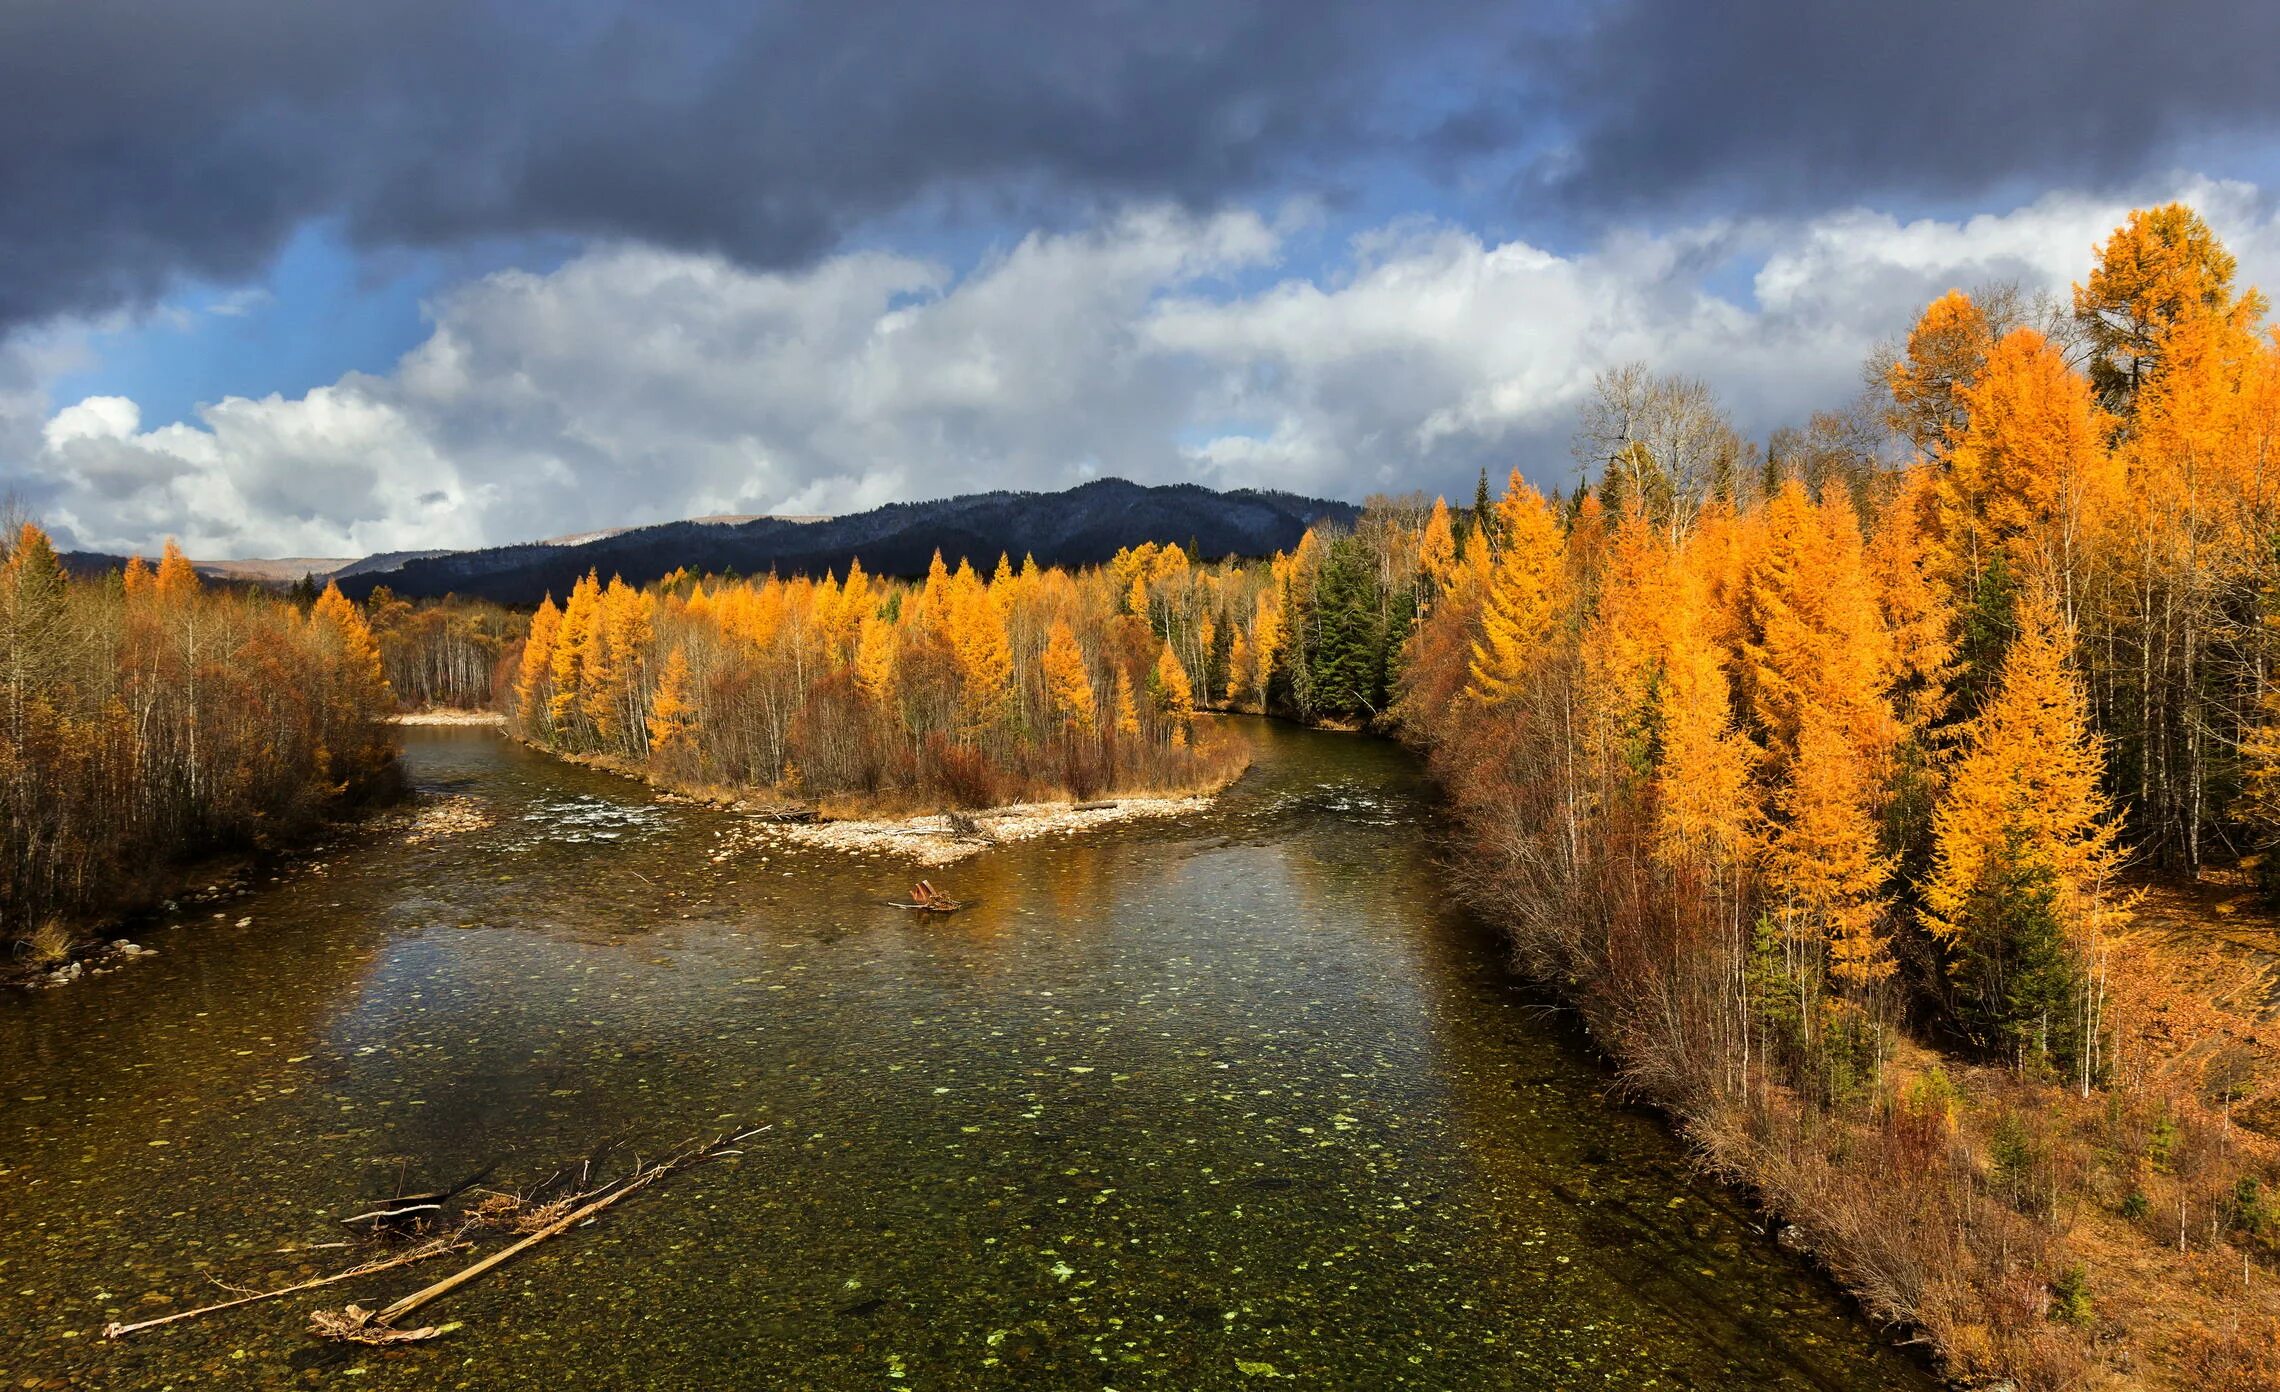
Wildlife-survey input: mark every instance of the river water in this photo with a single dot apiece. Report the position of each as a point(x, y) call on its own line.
point(1212, 1103)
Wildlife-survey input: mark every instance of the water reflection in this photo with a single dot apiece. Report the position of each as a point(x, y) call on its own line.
point(1182, 1105)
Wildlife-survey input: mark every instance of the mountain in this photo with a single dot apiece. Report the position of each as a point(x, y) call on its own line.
point(377, 561)
point(1082, 526)
point(276, 572)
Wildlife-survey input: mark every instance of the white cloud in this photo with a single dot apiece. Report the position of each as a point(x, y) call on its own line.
point(635, 385)
point(96, 418)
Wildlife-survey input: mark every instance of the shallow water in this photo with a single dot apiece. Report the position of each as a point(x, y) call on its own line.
point(1206, 1103)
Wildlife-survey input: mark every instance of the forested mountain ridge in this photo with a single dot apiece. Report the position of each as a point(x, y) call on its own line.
point(1085, 525)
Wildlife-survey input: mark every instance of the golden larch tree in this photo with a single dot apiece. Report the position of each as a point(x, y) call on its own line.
point(573, 651)
point(1823, 863)
point(1127, 713)
point(534, 672)
point(672, 716)
point(2031, 473)
point(1624, 641)
point(1174, 694)
point(1068, 686)
point(1703, 808)
point(875, 658)
point(360, 655)
point(1945, 353)
point(1437, 549)
point(2028, 785)
point(1917, 611)
point(1238, 671)
point(1812, 631)
point(984, 651)
point(1524, 595)
point(176, 576)
point(2163, 265)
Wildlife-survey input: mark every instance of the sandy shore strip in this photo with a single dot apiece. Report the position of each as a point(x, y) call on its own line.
point(448, 717)
point(934, 840)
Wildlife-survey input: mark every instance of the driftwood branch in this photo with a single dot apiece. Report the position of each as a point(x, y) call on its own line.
point(379, 1215)
point(358, 1324)
point(403, 1206)
point(434, 1247)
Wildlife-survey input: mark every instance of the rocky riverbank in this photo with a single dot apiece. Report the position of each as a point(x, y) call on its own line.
point(448, 717)
point(945, 838)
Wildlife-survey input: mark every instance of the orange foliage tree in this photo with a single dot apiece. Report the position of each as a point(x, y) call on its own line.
point(149, 719)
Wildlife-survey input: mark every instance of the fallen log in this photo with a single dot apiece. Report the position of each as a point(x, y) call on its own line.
point(359, 1325)
point(435, 1247)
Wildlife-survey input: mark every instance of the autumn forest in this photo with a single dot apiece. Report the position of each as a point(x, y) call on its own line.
point(1839, 782)
point(150, 718)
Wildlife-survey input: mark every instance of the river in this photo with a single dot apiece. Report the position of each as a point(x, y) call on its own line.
point(1211, 1103)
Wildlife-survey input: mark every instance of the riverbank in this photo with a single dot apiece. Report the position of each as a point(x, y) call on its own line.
point(201, 890)
point(947, 838)
point(2031, 1234)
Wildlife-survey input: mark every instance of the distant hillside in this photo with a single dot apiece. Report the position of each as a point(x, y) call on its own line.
point(276, 572)
point(1083, 526)
point(378, 560)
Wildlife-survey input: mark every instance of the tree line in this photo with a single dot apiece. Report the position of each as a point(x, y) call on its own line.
point(146, 719)
point(955, 690)
point(445, 656)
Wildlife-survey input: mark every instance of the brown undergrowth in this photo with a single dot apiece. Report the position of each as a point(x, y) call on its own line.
point(2029, 1234)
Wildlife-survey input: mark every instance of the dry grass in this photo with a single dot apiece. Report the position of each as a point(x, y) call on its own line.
point(49, 945)
point(1967, 1224)
point(2030, 1235)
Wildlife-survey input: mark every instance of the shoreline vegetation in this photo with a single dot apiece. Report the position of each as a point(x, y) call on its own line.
point(151, 726)
point(1896, 826)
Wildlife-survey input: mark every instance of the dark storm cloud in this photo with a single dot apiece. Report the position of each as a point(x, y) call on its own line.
point(141, 141)
point(1789, 104)
point(144, 140)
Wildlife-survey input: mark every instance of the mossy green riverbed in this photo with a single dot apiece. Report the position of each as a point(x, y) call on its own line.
point(1230, 1101)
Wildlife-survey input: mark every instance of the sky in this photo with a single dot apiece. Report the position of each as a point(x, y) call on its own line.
point(298, 277)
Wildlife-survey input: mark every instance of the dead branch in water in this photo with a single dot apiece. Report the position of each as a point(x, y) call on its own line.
point(384, 1215)
point(434, 1247)
point(359, 1325)
point(924, 895)
point(394, 1213)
